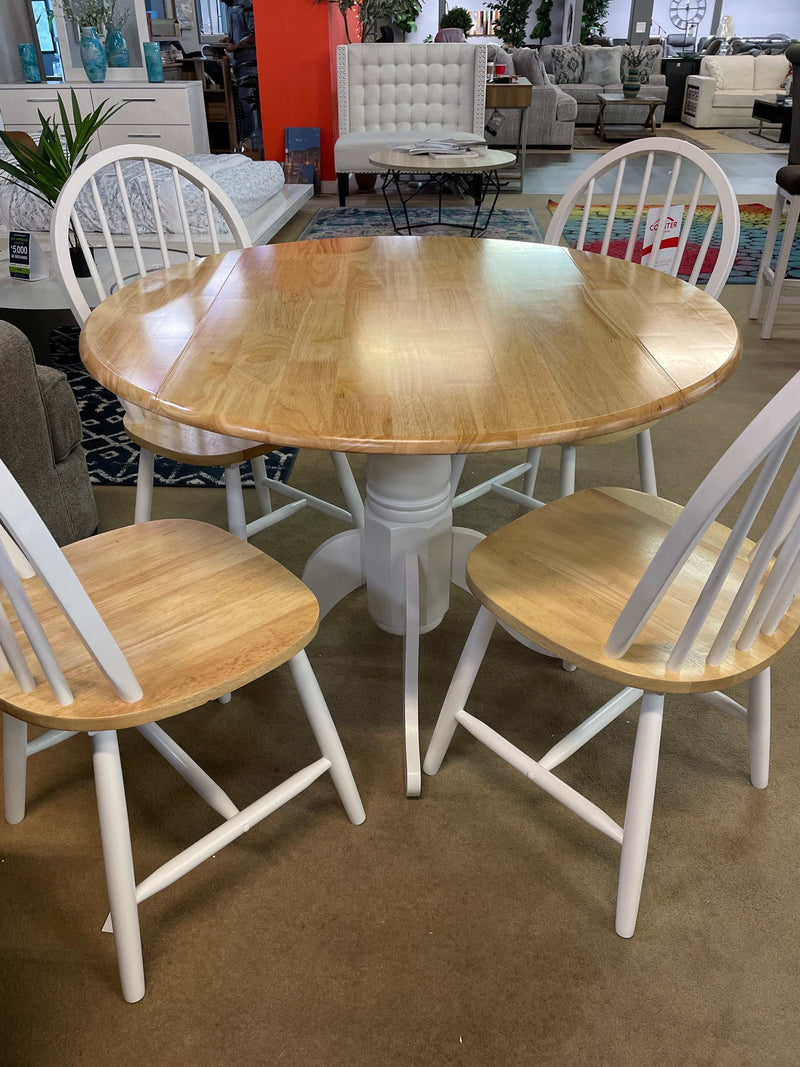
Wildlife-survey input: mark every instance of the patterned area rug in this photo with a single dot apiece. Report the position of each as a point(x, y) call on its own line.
point(755, 140)
point(110, 454)
point(510, 225)
point(754, 221)
point(584, 140)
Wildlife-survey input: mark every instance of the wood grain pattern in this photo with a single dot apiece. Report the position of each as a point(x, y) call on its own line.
point(513, 94)
point(411, 344)
point(561, 576)
point(187, 444)
point(493, 159)
point(196, 611)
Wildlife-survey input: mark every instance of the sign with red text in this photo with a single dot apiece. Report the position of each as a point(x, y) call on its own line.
point(662, 259)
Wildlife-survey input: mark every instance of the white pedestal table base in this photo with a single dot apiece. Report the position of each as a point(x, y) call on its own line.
point(407, 554)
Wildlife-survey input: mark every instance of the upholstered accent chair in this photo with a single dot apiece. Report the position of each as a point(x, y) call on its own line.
point(40, 439)
point(393, 94)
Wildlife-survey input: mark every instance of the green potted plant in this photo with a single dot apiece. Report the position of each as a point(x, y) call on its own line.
point(543, 27)
point(593, 19)
point(44, 168)
point(512, 21)
point(456, 18)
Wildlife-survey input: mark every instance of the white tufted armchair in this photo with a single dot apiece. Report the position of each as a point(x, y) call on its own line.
point(391, 94)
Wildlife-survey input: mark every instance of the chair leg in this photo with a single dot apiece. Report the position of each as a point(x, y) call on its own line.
point(144, 487)
point(15, 766)
point(237, 523)
point(647, 467)
point(118, 859)
point(639, 812)
point(566, 473)
point(327, 737)
point(792, 216)
point(259, 467)
point(347, 483)
point(460, 688)
point(766, 257)
point(758, 720)
point(343, 182)
point(529, 482)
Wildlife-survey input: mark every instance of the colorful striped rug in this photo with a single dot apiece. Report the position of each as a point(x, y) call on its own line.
point(754, 221)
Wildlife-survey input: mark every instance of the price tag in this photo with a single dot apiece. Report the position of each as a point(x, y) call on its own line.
point(26, 260)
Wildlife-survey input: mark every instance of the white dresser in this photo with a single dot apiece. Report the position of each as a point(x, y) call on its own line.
point(168, 114)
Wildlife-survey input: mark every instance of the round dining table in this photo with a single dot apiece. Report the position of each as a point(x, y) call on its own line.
point(412, 350)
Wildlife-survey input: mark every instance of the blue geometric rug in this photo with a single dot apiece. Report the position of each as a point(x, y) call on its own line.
point(507, 224)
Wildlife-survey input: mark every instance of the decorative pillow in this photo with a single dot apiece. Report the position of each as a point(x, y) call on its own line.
point(713, 69)
point(529, 65)
point(649, 62)
point(601, 66)
point(567, 64)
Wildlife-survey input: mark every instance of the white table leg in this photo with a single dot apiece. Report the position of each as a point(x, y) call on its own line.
point(411, 677)
point(335, 569)
point(405, 555)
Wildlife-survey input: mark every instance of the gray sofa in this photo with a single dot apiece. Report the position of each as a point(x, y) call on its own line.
point(40, 439)
point(551, 118)
point(585, 92)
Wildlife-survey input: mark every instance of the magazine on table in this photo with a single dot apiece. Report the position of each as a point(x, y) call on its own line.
point(449, 146)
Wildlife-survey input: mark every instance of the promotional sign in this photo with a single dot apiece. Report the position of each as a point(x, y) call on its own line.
point(671, 235)
point(26, 260)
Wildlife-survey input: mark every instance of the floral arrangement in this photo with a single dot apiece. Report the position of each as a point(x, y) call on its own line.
point(94, 12)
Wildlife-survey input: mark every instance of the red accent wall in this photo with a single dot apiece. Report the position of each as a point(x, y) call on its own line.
point(296, 45)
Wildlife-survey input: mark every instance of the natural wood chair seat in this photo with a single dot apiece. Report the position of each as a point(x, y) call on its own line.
point(661, 598)
point(576, 562)
point(131, 627)
point(198, 612)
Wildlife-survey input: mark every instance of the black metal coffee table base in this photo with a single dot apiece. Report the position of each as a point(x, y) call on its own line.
point(481, 185)
point(779, 114)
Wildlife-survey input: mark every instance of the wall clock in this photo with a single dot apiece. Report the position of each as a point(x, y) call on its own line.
point(686, 13)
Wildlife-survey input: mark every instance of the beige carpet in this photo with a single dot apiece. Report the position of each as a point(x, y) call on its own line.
point(473, 926)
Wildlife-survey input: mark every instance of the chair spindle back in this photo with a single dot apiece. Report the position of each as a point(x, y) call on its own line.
point(29, 532)
point(71, 213)
point(772, 577)
point(686, 160)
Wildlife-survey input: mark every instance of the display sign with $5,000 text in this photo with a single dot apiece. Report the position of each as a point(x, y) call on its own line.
point(25, 258)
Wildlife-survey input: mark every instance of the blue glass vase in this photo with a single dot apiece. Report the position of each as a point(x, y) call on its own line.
point(93, 55)
point(153, 61)
point(30, 63)
point(116, 48)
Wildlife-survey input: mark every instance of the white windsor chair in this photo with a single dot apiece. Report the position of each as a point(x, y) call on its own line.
point(706, 609)
point(659, 154)
point(81, 198)
point(62, 668)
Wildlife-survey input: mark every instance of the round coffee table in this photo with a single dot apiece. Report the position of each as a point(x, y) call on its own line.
point(439, 171)
point(413, 350)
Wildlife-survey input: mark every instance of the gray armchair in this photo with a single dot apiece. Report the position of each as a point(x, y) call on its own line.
point(40, 439)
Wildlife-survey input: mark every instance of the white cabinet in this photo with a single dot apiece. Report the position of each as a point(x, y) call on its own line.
point(168, 114)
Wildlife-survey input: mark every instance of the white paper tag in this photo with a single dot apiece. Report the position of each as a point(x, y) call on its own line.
point(662, 260)
point(26, 261)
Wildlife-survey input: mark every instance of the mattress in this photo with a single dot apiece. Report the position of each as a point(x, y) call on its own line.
point(249, 183)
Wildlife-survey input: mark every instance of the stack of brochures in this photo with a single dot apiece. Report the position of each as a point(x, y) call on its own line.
point(450, 146)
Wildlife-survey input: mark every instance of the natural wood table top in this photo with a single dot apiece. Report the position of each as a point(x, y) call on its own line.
point(392, 159)
point(418, 345)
